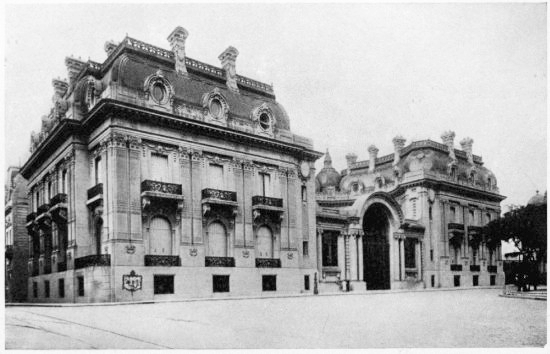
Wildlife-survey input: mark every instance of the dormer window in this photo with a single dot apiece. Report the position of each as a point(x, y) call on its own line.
point(159, 92)
point(265, 121)
point(355, 187)
point(216, 108)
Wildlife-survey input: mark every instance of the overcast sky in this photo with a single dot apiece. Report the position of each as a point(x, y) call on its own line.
point(348, 75)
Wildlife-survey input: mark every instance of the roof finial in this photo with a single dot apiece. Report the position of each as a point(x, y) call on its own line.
point(328, 159)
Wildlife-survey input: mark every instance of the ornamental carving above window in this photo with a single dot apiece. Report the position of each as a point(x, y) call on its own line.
point(158, 89)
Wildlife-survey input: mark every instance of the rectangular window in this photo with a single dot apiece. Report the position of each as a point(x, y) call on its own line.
point(159, 167)
point(80, 281)
point(471, 217)
point(265, 181)
point(61, 286)
point(488, 217)
point(430, 213)
point(304, 194)
point(455, 254)
point(64, 181)
point(306, 282)
point(305, 248)
point(220, 283)
point(474, 256)
point(410, 253)
point(163, 284)
point(46, 288)
point(34, 289)
point(49, 192)
point(452, 216)
point(97, 169)
point(330, 250)
point(413, 207)
point(492, 279)
point(475, 280)
point(215, 176)
point(457, 280)
point(432, 255)
point(432, 280)
point(269, 282)
point(37, 201)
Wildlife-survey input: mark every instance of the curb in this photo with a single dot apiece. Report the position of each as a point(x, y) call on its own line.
point(540, 298)
point(149, 302)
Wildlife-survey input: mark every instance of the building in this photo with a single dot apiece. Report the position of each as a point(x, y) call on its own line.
point(17, 240)
point(408, 220)
point(157, 176)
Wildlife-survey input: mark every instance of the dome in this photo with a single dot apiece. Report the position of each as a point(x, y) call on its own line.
point(328, 176)
point(537, 199)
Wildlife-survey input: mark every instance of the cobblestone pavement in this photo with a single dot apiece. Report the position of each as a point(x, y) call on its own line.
point(460, 318)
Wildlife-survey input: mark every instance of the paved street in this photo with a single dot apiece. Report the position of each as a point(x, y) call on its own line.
point(463, 318)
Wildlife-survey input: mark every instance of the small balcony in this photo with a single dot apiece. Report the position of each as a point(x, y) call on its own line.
point(456, 267)
point(267, 203)
point(153, 260)
point(455, 227)
point(475, 268)
point(31, 217)
point(219, 262)
point(160, 187)
point(42, 209)
point(475, 229)
point(492, 269)
point(268, 263)
point(58, 209)
point(95, 196)
point(102, 260)
point(219, 198)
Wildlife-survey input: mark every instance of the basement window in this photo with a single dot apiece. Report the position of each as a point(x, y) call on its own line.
point(163, 284)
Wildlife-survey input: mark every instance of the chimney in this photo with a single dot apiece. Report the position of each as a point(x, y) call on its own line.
point(373, 152)
point(228, 59)
point(109, 47)
point(73, 68)
point(466, 144)
point(60, 88)
point(448, 139)
point(398, 144)
point(177, 42)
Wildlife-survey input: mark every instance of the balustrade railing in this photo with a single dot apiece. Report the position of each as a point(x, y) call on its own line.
point(268, 263)
point(456, 267)
point(492, 268)
point(267, 201)
point(210, 193)
point(95, 191)
point(92, 260)
point(43, 209)
point(161, 187)
point(152, 260)
point(219, 261)
point(475, 268)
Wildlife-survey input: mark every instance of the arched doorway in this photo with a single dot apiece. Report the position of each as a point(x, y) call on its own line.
point(264, 242)
point(376, 247)
point(217, 240)
point(160, 237)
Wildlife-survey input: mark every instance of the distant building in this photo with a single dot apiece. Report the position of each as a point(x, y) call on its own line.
point(157, 176)
point(411, 219)
point(17, 240)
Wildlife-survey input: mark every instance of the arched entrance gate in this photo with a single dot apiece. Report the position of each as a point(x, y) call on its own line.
point(376, 247)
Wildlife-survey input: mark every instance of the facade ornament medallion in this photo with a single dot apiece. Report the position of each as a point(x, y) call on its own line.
point(158, 89)
point(215, 107)
point(263, 120)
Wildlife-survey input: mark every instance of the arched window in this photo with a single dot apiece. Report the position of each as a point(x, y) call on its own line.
point(160, 237)
point(264, 242)
point(217, 240)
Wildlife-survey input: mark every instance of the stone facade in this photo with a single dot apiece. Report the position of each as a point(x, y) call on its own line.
point(16, 241)
point(156, 176)
point(411, 219)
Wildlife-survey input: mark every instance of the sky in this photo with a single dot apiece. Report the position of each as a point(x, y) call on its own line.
point(348, 75)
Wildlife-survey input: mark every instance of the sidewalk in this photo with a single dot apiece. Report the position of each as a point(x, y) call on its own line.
point(539, 294)
point(267, 296)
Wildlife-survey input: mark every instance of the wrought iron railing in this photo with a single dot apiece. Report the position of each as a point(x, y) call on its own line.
point(61, 266)
point(456, 267)
point(219, 194)
point(476, 229)
point(219, 261)
point(92, 261)
point(43, 209)
point(267, 201)
point(31, 217)
point(152, 260)
point(475, 268)
point(95, 190)
point(268, 263)
point(161, 187)
point(492, 269)
point(58, 198)
point(455, 226)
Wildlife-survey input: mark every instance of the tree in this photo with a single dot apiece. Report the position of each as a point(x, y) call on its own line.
point(526, 228)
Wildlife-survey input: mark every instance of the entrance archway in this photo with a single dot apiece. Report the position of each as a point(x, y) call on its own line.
point(376, 247)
